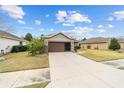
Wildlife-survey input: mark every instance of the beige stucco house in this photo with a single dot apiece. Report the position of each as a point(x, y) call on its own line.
point(99, 43)
point(60, 42)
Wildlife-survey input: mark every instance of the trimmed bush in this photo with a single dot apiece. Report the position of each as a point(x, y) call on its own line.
point(19, 48)
point(88, 47)
point(76, 48)
point(114, 44)
point(37, 46)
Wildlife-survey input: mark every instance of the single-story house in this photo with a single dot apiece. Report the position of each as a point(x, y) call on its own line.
point(99, 43)
point(7, 40)
point(60, 42)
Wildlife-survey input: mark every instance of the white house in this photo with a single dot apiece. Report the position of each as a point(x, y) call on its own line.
point(7, 40)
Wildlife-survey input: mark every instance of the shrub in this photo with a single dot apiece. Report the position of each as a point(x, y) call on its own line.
point(37, 46)
point(76, 48)
point(88, 47)
point(114, 44)
point(19, 48)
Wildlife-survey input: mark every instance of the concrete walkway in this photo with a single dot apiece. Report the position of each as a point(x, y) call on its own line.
point(70, 70)
point(22, 78)
point(115, 63)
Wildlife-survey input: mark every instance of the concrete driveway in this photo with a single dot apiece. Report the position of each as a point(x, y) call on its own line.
point(70, 70)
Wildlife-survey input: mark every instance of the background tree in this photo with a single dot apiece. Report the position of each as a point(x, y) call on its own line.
point(42, 36)
point(114, 44)
point(84, 39)
point(28, 37)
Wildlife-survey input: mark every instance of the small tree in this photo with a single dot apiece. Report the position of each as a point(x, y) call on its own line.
point(28, 37)
point(37, 46)
point(84, 39)
point(114, 44)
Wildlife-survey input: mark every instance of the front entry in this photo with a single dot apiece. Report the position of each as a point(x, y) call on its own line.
point(67, 46)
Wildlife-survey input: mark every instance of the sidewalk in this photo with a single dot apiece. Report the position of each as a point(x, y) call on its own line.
point(22, 78)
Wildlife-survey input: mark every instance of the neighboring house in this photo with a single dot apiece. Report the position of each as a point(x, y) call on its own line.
point(59, 42)
point(99, 43)
point(7, 40)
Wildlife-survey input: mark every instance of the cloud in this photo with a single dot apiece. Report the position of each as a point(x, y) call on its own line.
point(13, 11)
point(37, 22)
point(47, 15)
point(79, 32)
point(21, 22)
point(67, 24)
point(41, 29)
point(119, 15)
point(110, 19)
point(101, 30)
point(77, 17)
point(61, 15)
point(28, 28)
point(69, 18)
point(100, 26)
point(110, 26)
point(51, 29)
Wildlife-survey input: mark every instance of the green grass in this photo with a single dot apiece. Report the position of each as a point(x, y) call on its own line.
point(22, 61)
point(122, 68)
point(37, 85)
point(101, 55)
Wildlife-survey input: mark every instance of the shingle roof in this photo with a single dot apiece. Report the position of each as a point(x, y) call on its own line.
point(8, 35)
point(121, 39)
point(52, 35)
point(100, 40)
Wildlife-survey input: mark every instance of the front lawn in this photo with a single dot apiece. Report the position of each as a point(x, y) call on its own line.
point(101, 55)
point(37, 85)
point(22, 61)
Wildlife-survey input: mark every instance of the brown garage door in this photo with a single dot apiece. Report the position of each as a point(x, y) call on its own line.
point(56, 46)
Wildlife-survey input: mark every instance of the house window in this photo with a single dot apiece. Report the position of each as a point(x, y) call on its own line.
point(20, 42)
point(88, 47)
point(96, 48)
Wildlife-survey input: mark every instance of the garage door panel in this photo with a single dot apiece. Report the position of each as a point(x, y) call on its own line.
point(56, 46)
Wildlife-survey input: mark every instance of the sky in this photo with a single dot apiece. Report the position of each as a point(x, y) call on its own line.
point(76, 21)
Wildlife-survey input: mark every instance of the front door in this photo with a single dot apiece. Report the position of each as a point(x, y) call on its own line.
point(67, 46)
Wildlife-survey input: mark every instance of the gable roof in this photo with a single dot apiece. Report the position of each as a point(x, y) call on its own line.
point(121, 40)
point(7, 35)
point(96, 40)
point(53, 35)
point(99, 40)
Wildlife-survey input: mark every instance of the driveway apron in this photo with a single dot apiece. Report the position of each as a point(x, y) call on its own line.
point(70, 70)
